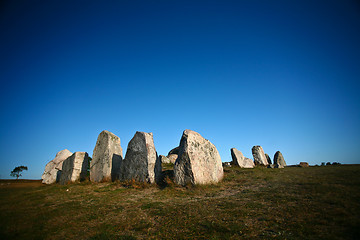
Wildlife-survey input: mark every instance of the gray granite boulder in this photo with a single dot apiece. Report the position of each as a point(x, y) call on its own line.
point(141, 162)
point(199, 161)
point(238, 159)
point(279, 160)
point(172, 158)
point(74, 168)
point(259, 156)
point(164, 159)
point(107, 158)
point(268, 158)
point(52, 169)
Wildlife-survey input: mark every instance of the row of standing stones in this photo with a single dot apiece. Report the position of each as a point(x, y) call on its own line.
point(196, 161)
point(260, 159)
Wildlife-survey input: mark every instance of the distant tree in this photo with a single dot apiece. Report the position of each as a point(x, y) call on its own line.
point(17, 171)
point(328, 164)
point(322, 164)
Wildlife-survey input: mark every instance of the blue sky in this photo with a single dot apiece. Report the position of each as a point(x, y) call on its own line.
point(281, 74)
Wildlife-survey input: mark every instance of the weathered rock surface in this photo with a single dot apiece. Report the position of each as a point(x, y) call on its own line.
point(172, 158)
point(268, 158)
point(107, 158)
point(174, 151)
point(141, 162)
point(249, 162)
point(304, 164)
point(74, 168)
point(279, 160)
point(199, 161)
point(238, 159)
point(259, 156)
point(164, 159)
point(51, 173)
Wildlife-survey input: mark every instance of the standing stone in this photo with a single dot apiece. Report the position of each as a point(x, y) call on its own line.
point(107, 158)
point(75, 168)
point(164, 159)
point(172, 158)
point(303, 164)
point(199, 161)
point(249, 160)
point(238, 159)
point(174, 151)
point(279, 160)
point(268, 159)
point(51, 173)
point(141, 162)
point(259, 156)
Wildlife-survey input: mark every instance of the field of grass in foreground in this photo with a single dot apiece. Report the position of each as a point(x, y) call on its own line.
point(260, 203)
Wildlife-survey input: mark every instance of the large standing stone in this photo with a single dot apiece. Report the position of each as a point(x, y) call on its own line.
point(268, 158)
point(238, 159)
point(279, 160)
point(141, 162)
point(259, 156)
point(74, 168)
point(107, 157)
point(51, 173)
point(199, 161)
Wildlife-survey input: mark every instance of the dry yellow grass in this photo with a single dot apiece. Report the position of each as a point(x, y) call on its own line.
point(290, 203)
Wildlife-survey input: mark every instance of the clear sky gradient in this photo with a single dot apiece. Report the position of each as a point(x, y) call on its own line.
point(281, 74)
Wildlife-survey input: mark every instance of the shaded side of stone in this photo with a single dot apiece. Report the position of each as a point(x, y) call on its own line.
point(268, 158)
point(75, 168)
point(174, 151)
point(141, 162)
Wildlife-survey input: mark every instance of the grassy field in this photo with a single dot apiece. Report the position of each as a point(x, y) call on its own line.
point(260, 203)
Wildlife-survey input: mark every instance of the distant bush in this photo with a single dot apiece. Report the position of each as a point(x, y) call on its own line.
point(328, 163)
point(336, 163)
point(323, 164)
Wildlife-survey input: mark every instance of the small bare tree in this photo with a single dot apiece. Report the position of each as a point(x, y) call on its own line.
point(17, 171)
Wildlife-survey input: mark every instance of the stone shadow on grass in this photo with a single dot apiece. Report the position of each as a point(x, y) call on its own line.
point(166, 179)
